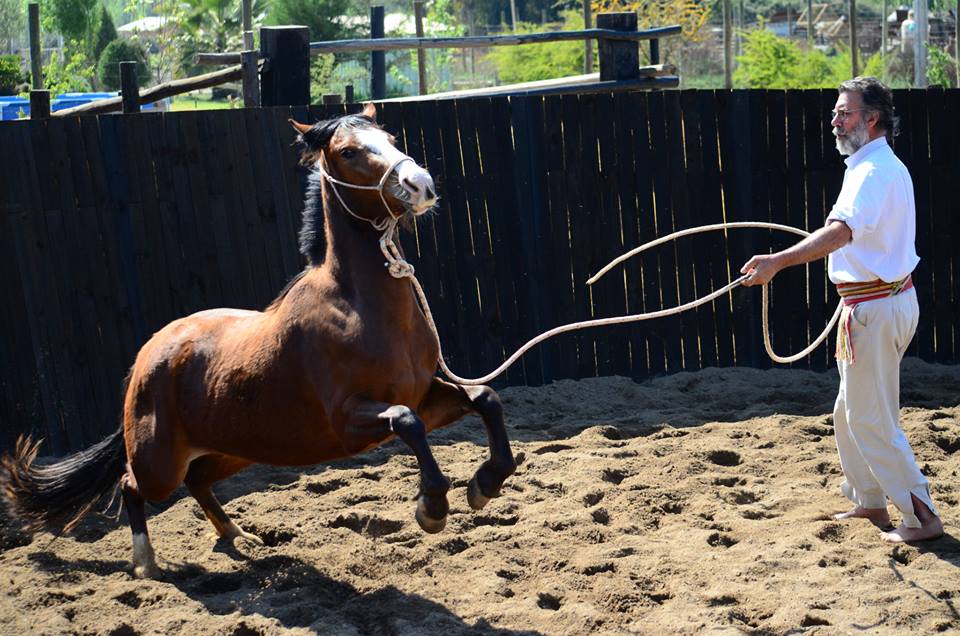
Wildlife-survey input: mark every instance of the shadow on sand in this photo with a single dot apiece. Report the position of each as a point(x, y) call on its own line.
point(294, 593)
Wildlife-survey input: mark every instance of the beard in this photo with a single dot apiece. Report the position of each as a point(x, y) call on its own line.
point(854, 139)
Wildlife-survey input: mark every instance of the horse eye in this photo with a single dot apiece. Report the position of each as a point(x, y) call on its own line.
point(348, 153)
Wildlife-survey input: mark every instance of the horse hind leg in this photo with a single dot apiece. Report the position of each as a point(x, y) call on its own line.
point(144, 560)
point(446, 403)
point(201, 475)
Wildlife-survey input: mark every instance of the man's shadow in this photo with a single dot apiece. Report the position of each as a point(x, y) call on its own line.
point(293, 592)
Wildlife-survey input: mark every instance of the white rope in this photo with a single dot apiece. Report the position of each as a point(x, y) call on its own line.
point(400, 268)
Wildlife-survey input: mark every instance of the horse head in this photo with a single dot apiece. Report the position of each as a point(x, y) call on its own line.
point(362, 164)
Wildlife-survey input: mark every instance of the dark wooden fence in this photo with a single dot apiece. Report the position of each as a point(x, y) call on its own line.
point(114, 225)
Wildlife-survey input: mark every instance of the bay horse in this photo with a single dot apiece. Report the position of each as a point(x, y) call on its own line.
point(342, 361)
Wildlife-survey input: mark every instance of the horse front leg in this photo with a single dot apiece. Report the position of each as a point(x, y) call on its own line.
point(368, 423)
point(446, 403)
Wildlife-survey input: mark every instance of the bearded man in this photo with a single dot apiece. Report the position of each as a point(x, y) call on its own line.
point(869, 237)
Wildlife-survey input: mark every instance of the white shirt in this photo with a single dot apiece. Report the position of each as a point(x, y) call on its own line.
point(876, 203)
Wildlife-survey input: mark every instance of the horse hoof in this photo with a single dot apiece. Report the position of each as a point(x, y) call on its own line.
point(428, 524)
point(475, 496)
point(149, 571)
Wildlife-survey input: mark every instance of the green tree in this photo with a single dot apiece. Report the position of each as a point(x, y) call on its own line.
point(326, 19)
point(12, 21)
point(773, 62)
point(212, 26)
point(106, 32)
point(72, 18)
point(531, 62)
point(68, 70)
point(10, 74)
point(108, 68)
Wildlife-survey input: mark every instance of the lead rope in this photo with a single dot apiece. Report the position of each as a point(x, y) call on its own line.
point(400, 268)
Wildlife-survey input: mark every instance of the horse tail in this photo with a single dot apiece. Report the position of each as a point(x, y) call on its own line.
point(57, 496)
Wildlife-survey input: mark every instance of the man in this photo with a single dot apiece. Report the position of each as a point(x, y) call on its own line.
point(869, 236)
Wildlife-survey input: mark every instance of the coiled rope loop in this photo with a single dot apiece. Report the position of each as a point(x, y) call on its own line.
point(399, 268)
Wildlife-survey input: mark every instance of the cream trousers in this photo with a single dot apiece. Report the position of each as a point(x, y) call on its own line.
point(874, 453)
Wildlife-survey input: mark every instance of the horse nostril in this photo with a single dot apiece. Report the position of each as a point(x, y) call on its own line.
point(410, 184)
point(430, 193)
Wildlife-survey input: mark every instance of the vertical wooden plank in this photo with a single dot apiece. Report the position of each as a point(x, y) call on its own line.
point(274, 138)
point(438, 238)
point(72, 256)
point(792, 291)
point(781, 311)
point(609, 294)
point(589, 234)
point(290, 176)
point(680, 219)
point(817, 207)
point(577, 157)
point(918, 164)
point(700, 246)
point(42, 304)
point(645, 163)
point(487, 143)
point(458, 213)
point(714, 251)
point(952, 167)
point(661, 149)
point(262, 289)
point(562, 303)
point(420, 245)
point(120, 215)
point(535, 253)
point(23, 384)
point(627, 173)
point(938, 173)
point(114, 325)
point(736, 128)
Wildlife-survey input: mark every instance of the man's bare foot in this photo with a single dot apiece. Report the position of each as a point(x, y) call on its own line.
point(931, 529)
point(877, 516)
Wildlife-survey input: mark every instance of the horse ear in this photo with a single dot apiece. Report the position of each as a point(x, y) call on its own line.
point(303, 129)
point(370, 110)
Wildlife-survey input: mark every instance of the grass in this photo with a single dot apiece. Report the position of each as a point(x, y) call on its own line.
point(198, 100)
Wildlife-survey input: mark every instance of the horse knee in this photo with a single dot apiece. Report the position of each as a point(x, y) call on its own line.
point(487, 403)
point(406, 424)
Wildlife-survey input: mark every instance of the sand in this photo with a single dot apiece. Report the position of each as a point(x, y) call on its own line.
point(691, 503)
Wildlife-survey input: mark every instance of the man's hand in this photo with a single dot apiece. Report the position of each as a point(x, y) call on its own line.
point(763, 267)
point(833, 236)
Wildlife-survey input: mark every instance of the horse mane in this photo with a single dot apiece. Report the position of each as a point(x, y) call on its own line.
point(314, 141)
point(286, 289)
point(311, 236)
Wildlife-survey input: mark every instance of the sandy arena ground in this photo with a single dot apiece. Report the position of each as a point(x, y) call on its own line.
point(692, 503)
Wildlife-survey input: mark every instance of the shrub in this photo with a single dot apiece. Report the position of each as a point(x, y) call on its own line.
point(532, 62)
point(108, 68)
point(10, 74)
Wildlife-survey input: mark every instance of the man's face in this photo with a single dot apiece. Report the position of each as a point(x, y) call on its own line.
point(849, 123)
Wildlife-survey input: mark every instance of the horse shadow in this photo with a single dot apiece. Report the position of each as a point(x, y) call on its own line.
point(294, 593)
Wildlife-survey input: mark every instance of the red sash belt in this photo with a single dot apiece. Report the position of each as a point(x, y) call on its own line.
point(852, 294)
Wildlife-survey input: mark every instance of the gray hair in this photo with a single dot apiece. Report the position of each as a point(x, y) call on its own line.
point(878, 98)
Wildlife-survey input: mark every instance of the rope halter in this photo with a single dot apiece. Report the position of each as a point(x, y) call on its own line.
point(381, 224)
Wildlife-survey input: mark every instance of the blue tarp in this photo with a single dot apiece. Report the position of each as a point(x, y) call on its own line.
point(11, 105)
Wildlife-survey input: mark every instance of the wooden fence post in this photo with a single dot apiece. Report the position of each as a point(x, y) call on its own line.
point(421, 54)
point(587, 44)
point(619, 59)
point(285, 79)
point(39, 104)
point(348, 93)
point(36, 63)
point(251, 78)
point(128, 87)
point(378, 59)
